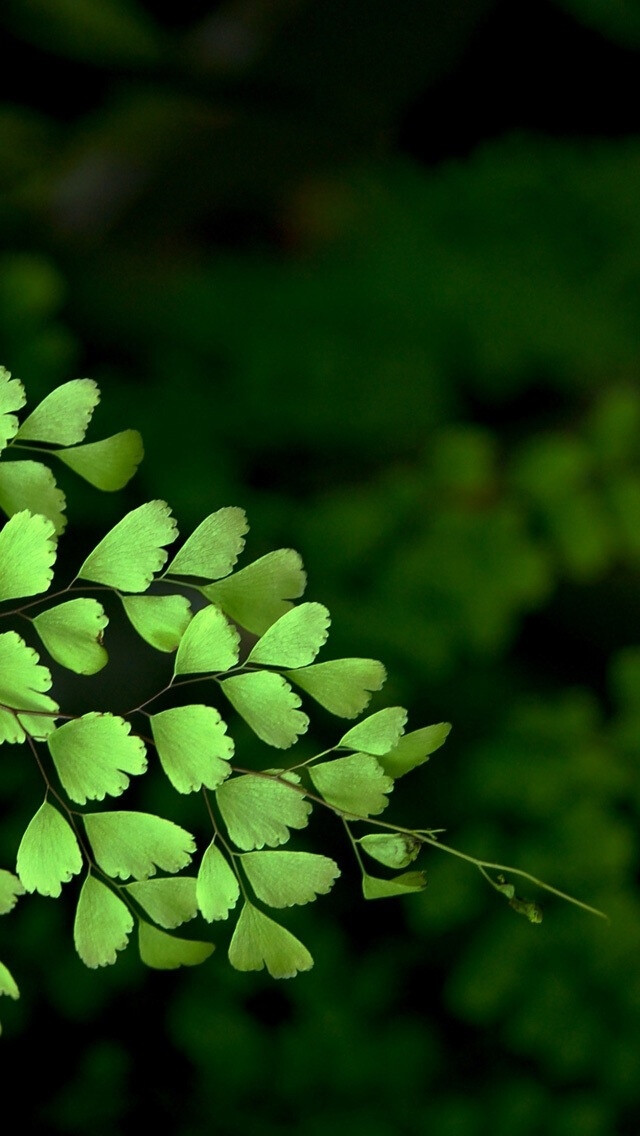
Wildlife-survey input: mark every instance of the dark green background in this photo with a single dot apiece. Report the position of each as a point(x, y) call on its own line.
point(370, 270)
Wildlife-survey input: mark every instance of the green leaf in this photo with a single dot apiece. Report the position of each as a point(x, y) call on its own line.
point(108, 464)
point(168, 952)
point(131, 553)
point(395, 849)
point(413, 749)
point(355, 784)
point(503, 886)
point(27, 555)
point(102, 924)
point(281, 879)
point(31, 485)
point(64, 415)
point(295, 639)
point(193, 746)
point(23, 680)
point(12, 397)
point(10, 889)
point(72, 634)
point(93, 755)
point(259, 941)
point(8, 984)
point(49, 853)
point(268, 705)
point(135, 844)
point(217, 888)
point(258, 810)
point(375, 888)
point(159, 620)
point(378, 733)
point(526, 907)
point(169, 902)
point(213, 548)
point(210, 644)
point(256, 596)
point(342, 686)
point(112, 33)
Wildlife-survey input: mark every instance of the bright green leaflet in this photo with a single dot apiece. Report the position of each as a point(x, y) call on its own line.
point(102, 924)
point(27, 555)
point(526, 907)
point(169, 902)
point(375, 888)
point(209, 644)
point(72, 634)
point(214, 547)
point(342, 686)
point(193, 746)
point(136, 844)
point(93, 755)
point(267, 703)
point(256, 596)
point(64, 415)
point(259, 941)
point(168, 952)
point(282, 879)
point(295, 639)
point(12, 397)
point(217, 888)
point(10, 889)
point(108, 464)
point(132, 552)
point(49, 853)
point(414, 749)
point(159, 620)
point(378, 733)
point(7, 983)
point(394, 849)
point(31, 485)
point(355, 784)
point(259, 811)
point(23, 681)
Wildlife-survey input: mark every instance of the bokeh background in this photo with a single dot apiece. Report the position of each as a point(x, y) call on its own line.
point(372, 271)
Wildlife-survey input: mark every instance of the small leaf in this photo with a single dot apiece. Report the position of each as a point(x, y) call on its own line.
point(217, 888)
point(10, 889)
point(108, 464)
point(268, 705)
point(27, 555)
point(134, 844)
point(355, 784)
point(281, 879)
point(72, 634)
point(102, 924)
point(12, 397)
point(210, 644)
point(23, 680)
point(168, 952)
point(64, 415)
point(507, 889)
point(49, 853)
point(258, 810)
point(213, 549)
point(8, 984)
point(256, 596)
point(295, 639)
point(414, 749)
point(31, 485)
point(169, 902)
point(528, 908)
point(193, 746)
point(93, 755)
point(378, 733)
point(259, 941)
point(129, 555)
point(342, 686)
point(375, 888)
point(159, 620)
point(395, 849)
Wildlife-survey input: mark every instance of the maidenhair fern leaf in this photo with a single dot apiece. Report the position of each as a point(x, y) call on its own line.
point(27, 555)
point(282, 879)
point(12, 397)
point(209, 644)
point(268, 705)
point(414, 749)
point(394, 849)
point(49, 853)
point(375, 888)
point(169, 902)
point(93, 755)
point(64, 415)
point(342, 686)
point(8, 984)
point(136, 844)
point(10, 889)
point(167, 952)
point(72, 633)
point(102, 924)
point(295, 639)
point(378, 733)
point(132, 551)
point(23, 681)
point(259, 941)
point(355, 784)
point(217, 887)
point(256, 596)
point(108, 464)
point(31, 485)
point(213, 548)
point(259, 810)
point(160, 620)
point(193, 746)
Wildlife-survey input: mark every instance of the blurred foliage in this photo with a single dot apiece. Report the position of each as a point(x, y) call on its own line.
point(424, 376)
